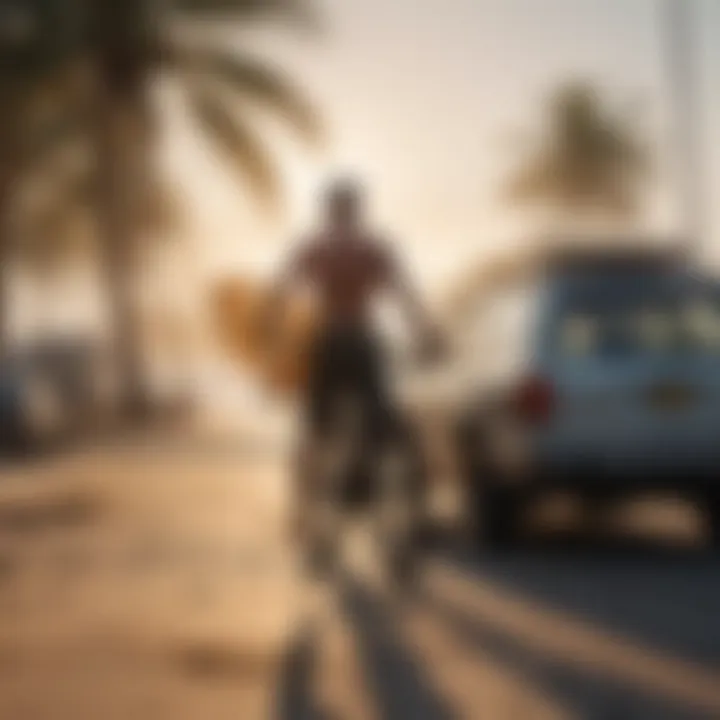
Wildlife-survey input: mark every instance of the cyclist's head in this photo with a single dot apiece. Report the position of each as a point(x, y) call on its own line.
point(344, 202)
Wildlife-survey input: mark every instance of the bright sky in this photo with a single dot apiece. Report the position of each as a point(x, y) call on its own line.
point(422, 98)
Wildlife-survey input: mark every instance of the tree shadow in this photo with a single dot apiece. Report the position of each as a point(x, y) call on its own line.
point(33, 514)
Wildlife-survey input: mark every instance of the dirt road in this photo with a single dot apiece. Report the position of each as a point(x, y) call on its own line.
point(160, 582)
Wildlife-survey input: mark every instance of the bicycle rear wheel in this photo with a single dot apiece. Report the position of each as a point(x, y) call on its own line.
point(400, 507)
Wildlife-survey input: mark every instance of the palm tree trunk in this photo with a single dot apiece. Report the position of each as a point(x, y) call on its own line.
point(4, 243)
point(121, 131)
point(8, 148)
point(119, 252)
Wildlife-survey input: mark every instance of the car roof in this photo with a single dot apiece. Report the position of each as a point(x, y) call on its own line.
point(590, 260)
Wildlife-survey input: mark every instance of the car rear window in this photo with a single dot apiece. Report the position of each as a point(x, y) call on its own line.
point(631, 315)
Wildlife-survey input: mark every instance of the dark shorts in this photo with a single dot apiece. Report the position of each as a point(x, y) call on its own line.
point(346, 361)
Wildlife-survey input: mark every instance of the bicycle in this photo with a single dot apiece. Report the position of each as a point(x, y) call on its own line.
point(358, 468)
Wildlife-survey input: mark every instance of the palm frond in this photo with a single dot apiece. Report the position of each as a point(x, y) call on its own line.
point(59, 142)
point(53, 225)
point(295, 11)
point(50, 115)
point(236, 142)
point(532, 181)
point(590, 158)
point(254, 80)
point(161, 208)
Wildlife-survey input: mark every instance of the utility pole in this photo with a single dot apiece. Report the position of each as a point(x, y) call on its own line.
point(680, 53)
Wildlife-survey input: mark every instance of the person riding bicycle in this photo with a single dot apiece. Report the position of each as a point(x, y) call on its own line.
point(348, 266)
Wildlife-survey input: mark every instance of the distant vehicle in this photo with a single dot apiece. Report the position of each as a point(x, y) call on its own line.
point(619, 393)
point(48, 392)
point(11, 421)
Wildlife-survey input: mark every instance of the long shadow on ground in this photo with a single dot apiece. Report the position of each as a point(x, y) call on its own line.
point(589, 696)
point(399, 687)
point(397, 680)
point(295, 699)
point(663, 600)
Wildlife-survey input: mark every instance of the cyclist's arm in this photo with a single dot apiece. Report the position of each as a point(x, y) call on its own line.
point(408, 296)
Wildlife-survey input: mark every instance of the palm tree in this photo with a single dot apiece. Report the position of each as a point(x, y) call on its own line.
point(38, 43)
point(9, 170)
point(133, 42)
point(590, 161)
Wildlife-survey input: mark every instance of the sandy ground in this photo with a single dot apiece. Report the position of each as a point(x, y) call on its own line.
point(142, 582)
point(158, 581)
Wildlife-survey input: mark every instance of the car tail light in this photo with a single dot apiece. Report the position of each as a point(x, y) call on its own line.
point(535, 400)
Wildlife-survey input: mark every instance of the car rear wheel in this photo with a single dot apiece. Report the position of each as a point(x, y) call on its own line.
point(497, 511)
point(712, 505)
